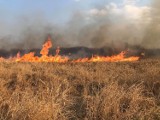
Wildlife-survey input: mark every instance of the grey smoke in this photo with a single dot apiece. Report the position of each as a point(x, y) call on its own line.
point(101, 30)
point(152, 36)
point(105, 29)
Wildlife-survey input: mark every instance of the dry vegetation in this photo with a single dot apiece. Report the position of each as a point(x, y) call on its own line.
point(89, 91)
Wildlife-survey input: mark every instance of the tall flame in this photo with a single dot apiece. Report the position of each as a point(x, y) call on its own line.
point(46, 46)
point(30, 57)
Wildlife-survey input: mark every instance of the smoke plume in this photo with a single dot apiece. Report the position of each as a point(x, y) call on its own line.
point(109, 25)
point(152, 36)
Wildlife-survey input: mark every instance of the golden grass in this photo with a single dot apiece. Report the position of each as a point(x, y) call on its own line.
point(89, 91)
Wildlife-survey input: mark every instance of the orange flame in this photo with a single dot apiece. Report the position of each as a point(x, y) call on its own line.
point(115, 58)
point(1, 59)
point(30, 57)
point(46, 46)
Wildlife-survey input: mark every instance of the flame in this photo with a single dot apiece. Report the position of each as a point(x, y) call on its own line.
point(115, 58)
point(30, 57)
point(1, 59)
point(18, 55)
point(46, 46)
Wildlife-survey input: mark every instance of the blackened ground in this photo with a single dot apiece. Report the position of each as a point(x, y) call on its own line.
point(80, 52)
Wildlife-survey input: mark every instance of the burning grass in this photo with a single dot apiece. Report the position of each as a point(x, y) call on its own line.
point(104, 91)
point(30, 57)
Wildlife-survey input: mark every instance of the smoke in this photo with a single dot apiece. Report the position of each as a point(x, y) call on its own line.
point(152, 36)
point(28, 31)
point(103, 25)
point(109, 25)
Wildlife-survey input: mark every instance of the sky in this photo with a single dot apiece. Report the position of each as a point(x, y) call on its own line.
point(73, 22)
point(54, 11)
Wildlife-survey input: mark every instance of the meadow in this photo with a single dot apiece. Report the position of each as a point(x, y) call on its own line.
point(80, 91)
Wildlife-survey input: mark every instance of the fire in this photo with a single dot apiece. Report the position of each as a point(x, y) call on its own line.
point(46, 46)
point(115, 58)
point(1, 59)
point(30, 57)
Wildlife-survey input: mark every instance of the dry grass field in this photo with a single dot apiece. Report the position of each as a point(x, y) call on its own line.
point(80, 91)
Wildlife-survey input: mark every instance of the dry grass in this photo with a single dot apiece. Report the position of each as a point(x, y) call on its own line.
point(89, 91)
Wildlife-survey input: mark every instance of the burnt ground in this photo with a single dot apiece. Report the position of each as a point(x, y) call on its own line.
point(71, 91)
point(80, 52)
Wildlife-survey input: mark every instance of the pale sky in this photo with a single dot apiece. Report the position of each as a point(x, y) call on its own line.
point(54, 11)
point(17, 15)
